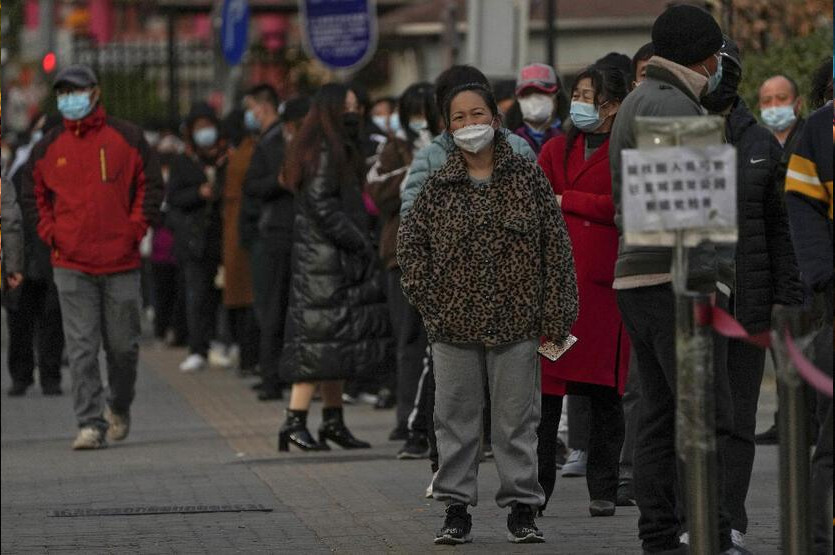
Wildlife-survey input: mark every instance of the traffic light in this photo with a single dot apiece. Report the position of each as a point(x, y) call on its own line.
point(48, 62)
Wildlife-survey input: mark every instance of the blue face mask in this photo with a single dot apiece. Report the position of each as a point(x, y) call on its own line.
point(75, 106)
point(205, 137)
point(778, 118)
point(418, 125)
point(251, 122)
point(586, 117)
point(394, 123)
point(714, 80)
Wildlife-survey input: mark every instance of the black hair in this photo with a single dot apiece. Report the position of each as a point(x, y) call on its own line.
point(609, 84)
point(643, 54)
point(504, 89)
point(362, 97)
point(455, 76)
point(418, 99)
point(821, 90)
point(295, 109)
point(264, 93)
point(478, 88)
point(619, 61)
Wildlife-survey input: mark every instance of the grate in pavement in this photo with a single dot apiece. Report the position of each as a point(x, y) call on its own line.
point(161, 510)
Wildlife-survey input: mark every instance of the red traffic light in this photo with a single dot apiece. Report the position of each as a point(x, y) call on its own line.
point(49, 62)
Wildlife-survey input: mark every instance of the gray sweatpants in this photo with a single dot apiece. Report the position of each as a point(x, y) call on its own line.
point(514, 378)
point(97, 309)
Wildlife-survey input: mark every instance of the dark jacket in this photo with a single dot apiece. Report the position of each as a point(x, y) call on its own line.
point(809, 200)
point(194, 220)
point(94, 187)
point(663, 93)
point(36, 252)
point(525, 133)
point(274, 219)
point(489, 264)
point(384, 182)
point(338, 321)
point(766, 269)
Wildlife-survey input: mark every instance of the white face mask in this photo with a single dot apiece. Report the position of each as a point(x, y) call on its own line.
point(536, 108)
point(474, 138)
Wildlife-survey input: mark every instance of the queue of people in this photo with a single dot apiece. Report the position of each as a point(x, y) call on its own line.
point(420, 250)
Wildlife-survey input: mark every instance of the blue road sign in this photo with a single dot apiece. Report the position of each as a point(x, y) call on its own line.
point(342, 34)
point(234, 30)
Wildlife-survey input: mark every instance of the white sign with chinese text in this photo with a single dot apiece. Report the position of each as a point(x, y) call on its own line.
point(686, 188)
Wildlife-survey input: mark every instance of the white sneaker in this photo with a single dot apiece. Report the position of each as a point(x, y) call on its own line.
point(575, 464)
point(219, 356)
point(89, 438)
point(429, 487)
point(193, 363)
point(685, 538)
point(118, 425)
point(737, 538)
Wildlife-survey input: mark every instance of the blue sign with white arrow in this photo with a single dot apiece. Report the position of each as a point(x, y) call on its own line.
point(234, 30)
point(342, 34)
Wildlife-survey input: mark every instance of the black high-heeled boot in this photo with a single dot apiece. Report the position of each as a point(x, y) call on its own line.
point(294, 430)
point(333, 428)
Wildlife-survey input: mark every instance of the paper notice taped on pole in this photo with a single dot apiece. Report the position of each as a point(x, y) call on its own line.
point(681, 188)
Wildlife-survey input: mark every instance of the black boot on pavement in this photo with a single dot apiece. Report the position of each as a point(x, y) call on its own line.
point(294, 430)
point(521, 527)
point(457, 526)
point(17, 390)
point(333, 429)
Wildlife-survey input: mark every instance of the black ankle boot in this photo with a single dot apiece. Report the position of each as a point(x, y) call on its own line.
point(294, 430)
point(333, 429)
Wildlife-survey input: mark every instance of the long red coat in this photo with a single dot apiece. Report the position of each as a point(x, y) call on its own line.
point(601, 356)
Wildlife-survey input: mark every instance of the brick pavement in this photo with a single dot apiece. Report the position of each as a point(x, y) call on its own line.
point(203, 439)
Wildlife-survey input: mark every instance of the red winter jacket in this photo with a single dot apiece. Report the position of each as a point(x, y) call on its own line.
point(601, 356)
point(93, 187)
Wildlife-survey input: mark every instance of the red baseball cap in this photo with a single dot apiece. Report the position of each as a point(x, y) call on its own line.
point(541, 77)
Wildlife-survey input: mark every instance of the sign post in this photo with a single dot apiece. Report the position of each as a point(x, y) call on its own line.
point(234, 30)
point(341, 34)
point(679, 188)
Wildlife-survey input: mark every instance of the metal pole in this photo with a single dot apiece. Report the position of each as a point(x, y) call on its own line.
point(551, 32)
point(173, 84)
point(793, 431)
point(451, 33)
point(695, 411)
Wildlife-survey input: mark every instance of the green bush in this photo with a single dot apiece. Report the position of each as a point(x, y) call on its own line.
point(796, 58)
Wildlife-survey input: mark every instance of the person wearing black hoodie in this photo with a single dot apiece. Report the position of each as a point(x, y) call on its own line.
point(766, 271)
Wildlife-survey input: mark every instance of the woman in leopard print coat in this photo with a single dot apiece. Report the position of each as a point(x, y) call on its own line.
point(486, 259)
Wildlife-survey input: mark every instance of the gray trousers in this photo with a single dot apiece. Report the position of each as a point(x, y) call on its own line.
point(513, 375)
point(98, 310)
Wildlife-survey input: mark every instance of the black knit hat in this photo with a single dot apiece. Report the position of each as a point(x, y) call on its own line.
point(686, 34)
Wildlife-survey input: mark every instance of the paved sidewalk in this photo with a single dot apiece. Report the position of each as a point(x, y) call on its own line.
point(203, 439)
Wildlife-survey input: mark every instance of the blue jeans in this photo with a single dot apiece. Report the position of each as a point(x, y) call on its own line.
point(95, 311)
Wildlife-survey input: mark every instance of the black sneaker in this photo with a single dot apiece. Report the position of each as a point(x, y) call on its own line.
point(521, 526)
point(457, 526)
point(626, 495)
point(416, 447)
point(400, 433)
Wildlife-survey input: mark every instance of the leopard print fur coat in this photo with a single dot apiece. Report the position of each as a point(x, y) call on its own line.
point(489, 264)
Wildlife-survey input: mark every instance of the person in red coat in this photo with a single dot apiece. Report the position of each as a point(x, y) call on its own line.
point(577, 165)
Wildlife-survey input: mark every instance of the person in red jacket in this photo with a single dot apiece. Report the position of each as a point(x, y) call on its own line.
point(93, 186)
point(577, 165)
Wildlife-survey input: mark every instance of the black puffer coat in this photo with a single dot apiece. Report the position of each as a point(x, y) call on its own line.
point(338, 321)
point(766, 268)
point(195, 221)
